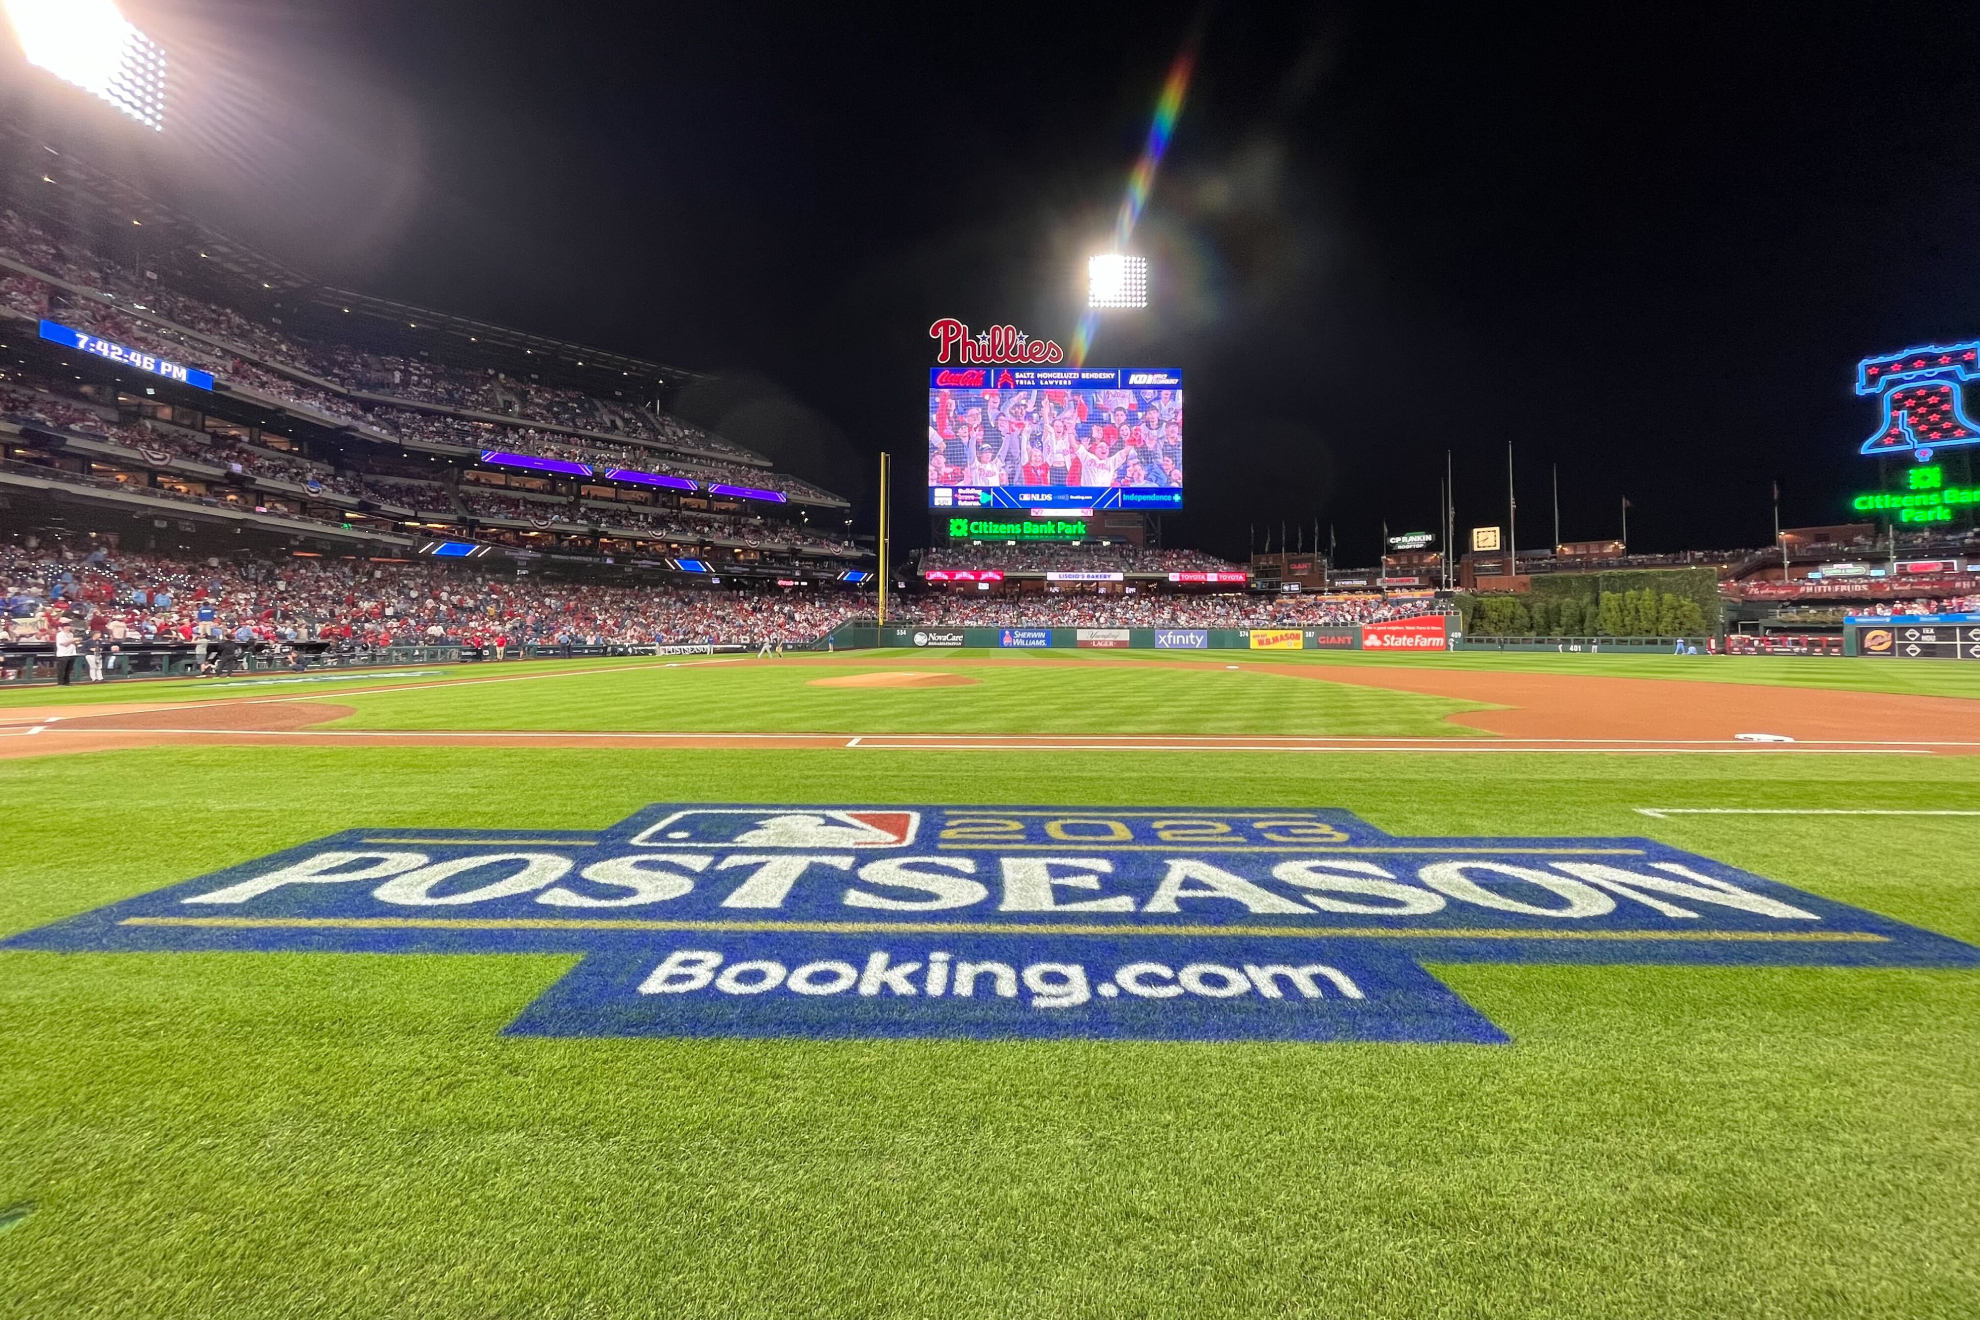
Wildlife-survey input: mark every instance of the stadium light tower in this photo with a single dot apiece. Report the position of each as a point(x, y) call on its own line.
point(91, 44)
point(1116, 281)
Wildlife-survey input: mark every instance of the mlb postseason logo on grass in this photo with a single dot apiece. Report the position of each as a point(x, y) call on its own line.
point(1002, 922)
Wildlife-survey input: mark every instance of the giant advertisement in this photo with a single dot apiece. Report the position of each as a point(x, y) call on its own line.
point(1055, 438)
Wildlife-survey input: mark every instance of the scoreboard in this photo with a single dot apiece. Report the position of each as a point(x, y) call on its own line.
point(1912, 640)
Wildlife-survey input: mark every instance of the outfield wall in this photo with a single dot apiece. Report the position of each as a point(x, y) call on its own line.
point(1434, 632)
point(1593, 645)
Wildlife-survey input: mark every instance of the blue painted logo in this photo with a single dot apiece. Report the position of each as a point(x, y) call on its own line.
point(1003, 922)
point(1182, 639)
point(1025, 637)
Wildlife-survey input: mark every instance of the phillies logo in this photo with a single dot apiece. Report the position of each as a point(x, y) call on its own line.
point(972, 379)
point(1000, 343)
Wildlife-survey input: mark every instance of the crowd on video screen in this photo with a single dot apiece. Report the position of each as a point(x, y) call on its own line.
point(1055, 437)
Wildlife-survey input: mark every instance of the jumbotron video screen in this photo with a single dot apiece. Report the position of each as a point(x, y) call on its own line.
point(1055, 438)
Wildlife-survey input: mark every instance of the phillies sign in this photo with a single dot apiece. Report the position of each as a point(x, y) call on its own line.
point(1000, 343)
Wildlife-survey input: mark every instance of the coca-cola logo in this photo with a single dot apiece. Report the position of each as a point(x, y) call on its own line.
point(1000, 343)
point(971, 379)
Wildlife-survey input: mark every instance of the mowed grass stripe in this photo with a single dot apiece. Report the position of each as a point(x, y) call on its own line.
point(772, 698)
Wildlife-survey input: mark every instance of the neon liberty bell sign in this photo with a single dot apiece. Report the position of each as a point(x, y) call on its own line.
point(1922, 407)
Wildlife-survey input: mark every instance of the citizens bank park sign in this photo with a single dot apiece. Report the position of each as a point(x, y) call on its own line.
point(1002, 922)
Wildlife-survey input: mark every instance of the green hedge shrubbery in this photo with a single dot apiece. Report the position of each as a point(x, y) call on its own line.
point(1640, 613)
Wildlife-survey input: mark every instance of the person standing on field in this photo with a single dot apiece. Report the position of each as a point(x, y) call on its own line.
point(65, 653)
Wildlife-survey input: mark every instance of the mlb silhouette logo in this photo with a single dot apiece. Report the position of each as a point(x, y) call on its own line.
point(781, 827)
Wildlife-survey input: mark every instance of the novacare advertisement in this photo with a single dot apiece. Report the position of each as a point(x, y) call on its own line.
point(993, 922)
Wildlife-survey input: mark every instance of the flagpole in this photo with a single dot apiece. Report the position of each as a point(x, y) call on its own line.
point(1512, 516)
point(1444, 557)
point(1557, 508)
point(1450, 516)
point(1779, 544)
point(1625, 513)
point(883, 539)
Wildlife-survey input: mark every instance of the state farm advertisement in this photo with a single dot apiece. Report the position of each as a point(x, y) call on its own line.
point(1425, 633)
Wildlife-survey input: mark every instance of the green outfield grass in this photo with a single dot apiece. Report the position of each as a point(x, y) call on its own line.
point(347, 1135)
point(1031, 698)
point(279, 684)
point(1948, 678)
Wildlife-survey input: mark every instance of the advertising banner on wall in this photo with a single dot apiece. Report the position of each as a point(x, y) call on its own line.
point(1182, 639)
point(1420, 634)
point(1277, 639)
point(1103, 637)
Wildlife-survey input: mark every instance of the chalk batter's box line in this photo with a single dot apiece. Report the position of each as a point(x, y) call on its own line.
point(996, 928)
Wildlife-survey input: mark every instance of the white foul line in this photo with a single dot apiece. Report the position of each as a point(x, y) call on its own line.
point(1661, 812)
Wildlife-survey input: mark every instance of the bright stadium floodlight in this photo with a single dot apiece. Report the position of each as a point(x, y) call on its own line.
point(91, 44)
point(1115, 280)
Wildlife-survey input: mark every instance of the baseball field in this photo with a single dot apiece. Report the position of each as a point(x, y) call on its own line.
point(1757, 1095)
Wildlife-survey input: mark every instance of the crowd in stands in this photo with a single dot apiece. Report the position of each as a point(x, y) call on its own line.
point(1051, 558)
point(135, 598)
point(160, 445)
point(495, 393)
point(601, 455)
point(1152, 610)
point(1923, 605)
point(248, 352)
point(163, 447)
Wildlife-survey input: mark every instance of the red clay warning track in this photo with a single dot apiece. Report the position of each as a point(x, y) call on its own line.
point(1541, 712)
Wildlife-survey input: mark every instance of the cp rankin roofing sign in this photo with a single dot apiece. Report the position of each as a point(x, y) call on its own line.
point(1173, 923)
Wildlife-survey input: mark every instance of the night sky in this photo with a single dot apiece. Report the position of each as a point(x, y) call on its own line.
point(1646, 244)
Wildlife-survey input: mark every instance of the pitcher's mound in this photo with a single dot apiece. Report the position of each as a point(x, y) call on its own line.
point(895, 678)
